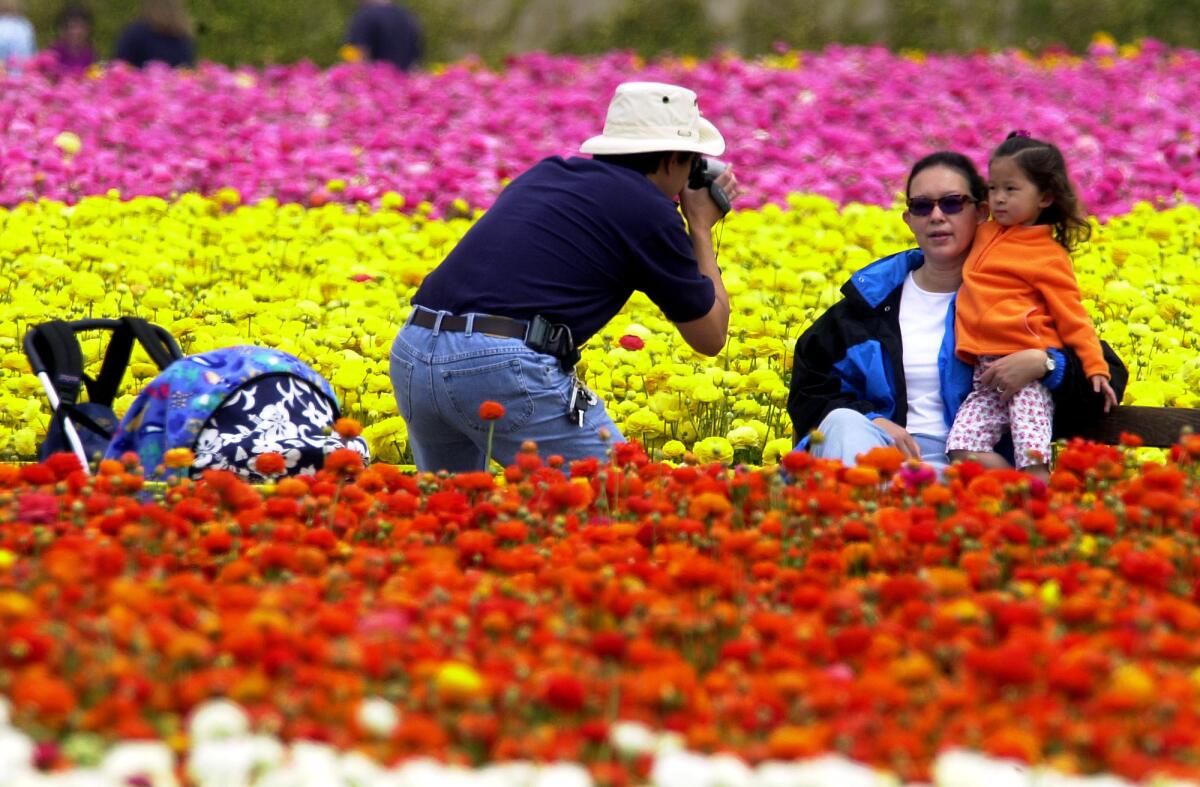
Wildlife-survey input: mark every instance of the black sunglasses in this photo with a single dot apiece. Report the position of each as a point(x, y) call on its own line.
point(950, 204)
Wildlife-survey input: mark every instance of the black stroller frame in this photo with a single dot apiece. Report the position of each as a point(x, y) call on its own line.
point(55, 356)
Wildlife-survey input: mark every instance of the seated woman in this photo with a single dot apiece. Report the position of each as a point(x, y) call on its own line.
point(878, 368)
point(74, 43)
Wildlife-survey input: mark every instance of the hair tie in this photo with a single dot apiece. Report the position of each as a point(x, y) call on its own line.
point(1018, 133)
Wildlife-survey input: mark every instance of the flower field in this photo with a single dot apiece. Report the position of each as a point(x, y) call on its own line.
point(706, 608)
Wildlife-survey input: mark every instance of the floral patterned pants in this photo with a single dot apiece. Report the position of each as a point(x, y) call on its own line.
point(982, 418)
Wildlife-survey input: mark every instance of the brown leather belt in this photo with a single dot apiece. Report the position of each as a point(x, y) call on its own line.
point(484, 323)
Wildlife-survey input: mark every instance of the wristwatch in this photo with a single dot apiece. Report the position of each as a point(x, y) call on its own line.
point(1050, 365)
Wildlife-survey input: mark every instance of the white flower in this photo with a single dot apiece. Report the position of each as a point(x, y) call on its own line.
point(1049, 778)
point(378, 716)
point(681, 769)
point(217, 719)
point(959, 768)
point(315, 763)
point(630, 738)
point(83, 777)
point(827, 771)
point(563, 774)
point(359, 770)
point(16, 755)
point(507, 774)
point(232, 761)
point(668, 742)
point(152, 760)
point(730, 771)
point(423, 772)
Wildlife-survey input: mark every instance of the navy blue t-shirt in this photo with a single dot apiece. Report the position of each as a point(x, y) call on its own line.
point(571, 239)
point(139, 44)
point(388, 32)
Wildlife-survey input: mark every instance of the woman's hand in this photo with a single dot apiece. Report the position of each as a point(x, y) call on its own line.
point(900, 436)
point(1100, 383)
point(1013, 372)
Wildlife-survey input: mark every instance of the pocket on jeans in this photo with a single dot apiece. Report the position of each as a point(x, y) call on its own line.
point(502, 382)
point(401, 372)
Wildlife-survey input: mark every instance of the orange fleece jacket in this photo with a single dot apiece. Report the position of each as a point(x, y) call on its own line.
point(1018, 293)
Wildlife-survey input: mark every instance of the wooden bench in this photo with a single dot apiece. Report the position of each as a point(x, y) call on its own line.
point(1159, 427)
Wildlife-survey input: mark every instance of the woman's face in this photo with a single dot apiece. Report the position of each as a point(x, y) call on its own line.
point(75, 32)
point(944, 238)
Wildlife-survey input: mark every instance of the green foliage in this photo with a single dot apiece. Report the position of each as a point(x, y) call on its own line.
point(282, 31)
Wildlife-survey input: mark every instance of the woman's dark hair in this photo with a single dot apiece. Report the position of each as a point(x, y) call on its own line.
point(72, 12)
point(1044, 165)
point(644, 163)
point(955, 161)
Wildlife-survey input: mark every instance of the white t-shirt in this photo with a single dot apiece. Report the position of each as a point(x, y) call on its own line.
point(16, 38)
point(922, 328)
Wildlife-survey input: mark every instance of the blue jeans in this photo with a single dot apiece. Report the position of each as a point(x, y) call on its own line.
point(441, 377)
point(848, 433)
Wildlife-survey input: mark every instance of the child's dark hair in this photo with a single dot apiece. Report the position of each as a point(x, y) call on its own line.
point(1044, 165)
point(955, 161)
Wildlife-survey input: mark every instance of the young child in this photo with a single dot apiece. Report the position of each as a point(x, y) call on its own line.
point(1019, 292)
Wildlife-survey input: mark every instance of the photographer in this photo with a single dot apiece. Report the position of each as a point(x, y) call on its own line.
point(554, 259)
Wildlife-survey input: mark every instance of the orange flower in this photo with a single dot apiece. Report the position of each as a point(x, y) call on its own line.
point(862, 476)
point(347, 428)
point(178, 458)
point(885, 459)
point(270, 464)
point(491, 411)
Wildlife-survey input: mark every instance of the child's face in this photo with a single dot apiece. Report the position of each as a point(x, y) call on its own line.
point(1012, 196)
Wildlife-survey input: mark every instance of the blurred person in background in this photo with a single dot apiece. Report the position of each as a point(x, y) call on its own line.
point(16, 32)
point(74, 43)
point(163, 33)
point(382, 30)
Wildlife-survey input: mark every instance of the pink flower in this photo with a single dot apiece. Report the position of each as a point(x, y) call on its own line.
point(37, 508)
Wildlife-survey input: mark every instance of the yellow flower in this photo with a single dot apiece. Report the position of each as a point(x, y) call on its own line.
point(776, 449)
point(674, 450)
point(68, 142)
point(714, 449)
point(457, 681)
point(743, 437)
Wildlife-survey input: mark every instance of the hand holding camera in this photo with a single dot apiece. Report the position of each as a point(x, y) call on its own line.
point(716, 177)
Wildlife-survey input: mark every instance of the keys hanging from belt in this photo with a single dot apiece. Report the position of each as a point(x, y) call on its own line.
point(582, 400)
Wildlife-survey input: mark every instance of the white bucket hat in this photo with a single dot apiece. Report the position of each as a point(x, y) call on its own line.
point(647, 117)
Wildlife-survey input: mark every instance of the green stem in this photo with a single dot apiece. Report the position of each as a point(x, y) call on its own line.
point(487, 460)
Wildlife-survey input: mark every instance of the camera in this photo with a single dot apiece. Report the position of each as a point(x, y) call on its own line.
point(704, 174)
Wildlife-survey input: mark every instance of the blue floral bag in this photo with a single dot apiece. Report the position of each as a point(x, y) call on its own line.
point(231, 405)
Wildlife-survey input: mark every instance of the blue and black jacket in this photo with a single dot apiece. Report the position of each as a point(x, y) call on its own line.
point(851, 357)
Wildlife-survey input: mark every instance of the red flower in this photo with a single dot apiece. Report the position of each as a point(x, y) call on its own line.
point(564, 692)
point(63, 464)
point(344, 461)
point(491, 411)
point(631, 342)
